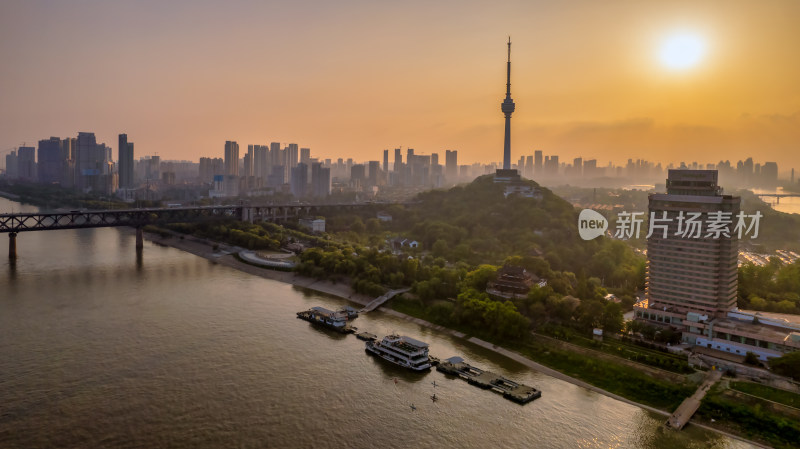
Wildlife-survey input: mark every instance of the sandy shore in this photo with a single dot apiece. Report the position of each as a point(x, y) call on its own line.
point(224, 256)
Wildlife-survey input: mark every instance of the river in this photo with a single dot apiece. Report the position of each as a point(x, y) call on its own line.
point(789, 205)
point(99, 348)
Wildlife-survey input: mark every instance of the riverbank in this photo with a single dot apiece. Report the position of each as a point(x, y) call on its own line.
point(224, 255)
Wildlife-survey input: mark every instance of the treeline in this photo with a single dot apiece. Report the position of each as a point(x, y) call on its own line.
point(50, 197)
point(774, 287)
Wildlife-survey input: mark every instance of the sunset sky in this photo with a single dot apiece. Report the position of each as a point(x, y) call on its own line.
point(351, 78)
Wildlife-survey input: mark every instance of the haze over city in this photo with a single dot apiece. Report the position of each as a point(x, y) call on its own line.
point(352, 79)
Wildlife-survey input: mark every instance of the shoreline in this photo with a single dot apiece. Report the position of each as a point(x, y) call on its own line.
point(203, 248)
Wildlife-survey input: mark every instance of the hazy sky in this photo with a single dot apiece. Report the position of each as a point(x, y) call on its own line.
point(350, 78)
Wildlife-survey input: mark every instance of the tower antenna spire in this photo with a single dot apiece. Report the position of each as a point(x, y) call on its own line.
point(507, 107)
point(508, 69)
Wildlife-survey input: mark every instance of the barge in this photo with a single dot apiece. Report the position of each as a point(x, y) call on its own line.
point(519, 393)
point(337, 321)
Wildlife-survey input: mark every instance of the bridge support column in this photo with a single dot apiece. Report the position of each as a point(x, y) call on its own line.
point(12, 245)
point(139, 239)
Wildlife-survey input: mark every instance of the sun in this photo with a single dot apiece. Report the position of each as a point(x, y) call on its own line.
point(682, 51)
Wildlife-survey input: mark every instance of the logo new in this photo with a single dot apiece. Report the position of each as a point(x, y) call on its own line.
point(591, 224)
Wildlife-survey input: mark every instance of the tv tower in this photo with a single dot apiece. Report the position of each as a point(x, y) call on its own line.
point(507, 107)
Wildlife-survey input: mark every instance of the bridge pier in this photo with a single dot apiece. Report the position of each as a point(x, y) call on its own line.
point(139, 238)
point(12, 245)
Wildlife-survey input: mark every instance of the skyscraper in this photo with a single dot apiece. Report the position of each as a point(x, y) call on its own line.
point(320, 180)
point(50, 162)
point(26, 163)
point(398, 158)
point(386, 161)
point(299, 180)
point(231, 158)
point(508, 108)
point(537, 162)
point(125, 156)
point(451, 165)
point(688, 274)
point(93, 164)
point(249, 161)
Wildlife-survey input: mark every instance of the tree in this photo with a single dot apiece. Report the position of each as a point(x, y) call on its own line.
point(751, 358)
point(788, 365)
point(612, 318)
point(481, 276)
point(373, 225)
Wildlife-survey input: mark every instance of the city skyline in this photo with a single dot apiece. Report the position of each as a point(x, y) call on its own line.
point(185, 89)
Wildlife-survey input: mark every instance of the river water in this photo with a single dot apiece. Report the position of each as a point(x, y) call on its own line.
point(99, 348)
point(790, 205)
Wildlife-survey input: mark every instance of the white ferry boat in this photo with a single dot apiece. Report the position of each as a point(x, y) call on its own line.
point(400, 350)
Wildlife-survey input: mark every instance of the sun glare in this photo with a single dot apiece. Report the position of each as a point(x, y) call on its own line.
point(682, 51)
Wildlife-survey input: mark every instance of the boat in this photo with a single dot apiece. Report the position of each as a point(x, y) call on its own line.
point(327, 318)
point(401, 350)
point(349, 311)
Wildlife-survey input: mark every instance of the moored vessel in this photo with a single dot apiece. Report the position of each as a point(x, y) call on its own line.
point(401, 350)
point(337, 321)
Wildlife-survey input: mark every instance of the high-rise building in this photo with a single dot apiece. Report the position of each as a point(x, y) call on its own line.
point(50, 164)
point(358, 176)
point(249, 161)
point(26, 163)
point(305, 155)
point(231, 158)
point(299, 180)
point(12, 165)
point(125, 157)
point(686, 273)
point(386, 161)
point(292, 154)
point(93, 164)
point(374, 173)
point(769, 173)
point(692, 274)
point(320, 180)
point(398, 158)
point(451, 165)
point(529, 167)
point(261, 161)
point(537, 162)
point(577, 166)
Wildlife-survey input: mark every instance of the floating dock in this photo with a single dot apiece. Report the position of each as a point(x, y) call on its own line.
point(366, 336)
point(488, 380)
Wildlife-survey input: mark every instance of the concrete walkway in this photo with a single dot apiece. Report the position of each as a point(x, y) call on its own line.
point(689, 406)
point(377, 302)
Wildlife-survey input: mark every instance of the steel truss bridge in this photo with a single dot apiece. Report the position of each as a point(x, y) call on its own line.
point(138, 218)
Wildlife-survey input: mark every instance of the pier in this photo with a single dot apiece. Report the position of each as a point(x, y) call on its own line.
point(689, 406)
point(488, 380)
point(377, 302)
